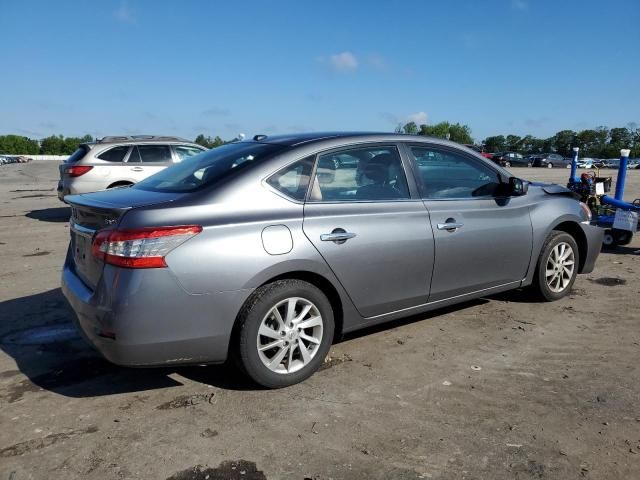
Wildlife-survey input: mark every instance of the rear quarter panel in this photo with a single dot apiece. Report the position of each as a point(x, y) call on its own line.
point(229, 254)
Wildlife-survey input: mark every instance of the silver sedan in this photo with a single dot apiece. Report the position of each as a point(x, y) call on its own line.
point(267, 250)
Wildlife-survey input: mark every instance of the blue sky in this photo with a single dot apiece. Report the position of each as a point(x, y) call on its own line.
point(220, 68)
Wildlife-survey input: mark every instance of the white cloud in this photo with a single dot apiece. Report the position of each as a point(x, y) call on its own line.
point(519, 4)
point(124, 14)
point(344, 62)
point(419, 118)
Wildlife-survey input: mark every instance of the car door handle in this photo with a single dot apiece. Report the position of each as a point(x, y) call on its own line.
point(337, 236)
point(450, 226)
point(137, 169)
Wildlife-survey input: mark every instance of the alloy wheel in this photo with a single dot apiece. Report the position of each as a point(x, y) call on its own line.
point(290, 335)
point(560, 267)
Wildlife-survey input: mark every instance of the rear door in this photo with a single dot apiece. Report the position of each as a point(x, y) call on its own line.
point(482, 239)
point(371, 231)
point(145, 160)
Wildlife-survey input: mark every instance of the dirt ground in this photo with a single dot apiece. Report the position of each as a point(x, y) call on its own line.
point(491, 389)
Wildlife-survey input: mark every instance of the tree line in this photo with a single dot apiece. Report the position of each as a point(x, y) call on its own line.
point(61, 145)
point(600, 142)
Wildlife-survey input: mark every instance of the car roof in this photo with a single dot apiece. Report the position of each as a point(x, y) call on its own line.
point(298, 139)
point(139, 139)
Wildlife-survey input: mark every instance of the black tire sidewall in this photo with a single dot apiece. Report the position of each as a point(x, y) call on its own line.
point(261, 302)
point(541, 282)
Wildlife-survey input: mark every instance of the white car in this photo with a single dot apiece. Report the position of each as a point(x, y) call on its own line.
point(120, 161)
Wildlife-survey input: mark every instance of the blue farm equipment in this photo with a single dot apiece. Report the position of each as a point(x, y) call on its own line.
point(617, 217)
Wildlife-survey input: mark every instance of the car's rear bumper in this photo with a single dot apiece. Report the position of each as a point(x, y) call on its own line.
point(145, 318)
point(594, 236)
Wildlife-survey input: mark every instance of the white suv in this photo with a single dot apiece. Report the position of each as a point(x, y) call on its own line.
point(120, 161)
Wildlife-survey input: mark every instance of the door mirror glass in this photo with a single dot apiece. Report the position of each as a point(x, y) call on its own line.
point(518, 187)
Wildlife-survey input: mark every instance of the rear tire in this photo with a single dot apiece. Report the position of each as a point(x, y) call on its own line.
point(557, 267)
point(288, 315)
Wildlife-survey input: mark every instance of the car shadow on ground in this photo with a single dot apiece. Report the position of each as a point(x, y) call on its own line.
point(38, 332)
point(411, 319)
point(57, 214)
point(620, 250)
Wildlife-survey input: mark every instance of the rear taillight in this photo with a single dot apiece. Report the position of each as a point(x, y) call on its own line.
point(140, 248)
point(77, 170)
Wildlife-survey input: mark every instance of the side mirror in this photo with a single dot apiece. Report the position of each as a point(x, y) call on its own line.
point(518, 187)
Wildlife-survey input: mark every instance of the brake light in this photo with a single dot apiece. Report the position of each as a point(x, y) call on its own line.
point(140, 248)
point(78, 170)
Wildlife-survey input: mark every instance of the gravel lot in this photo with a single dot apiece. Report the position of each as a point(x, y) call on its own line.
point(491, 389)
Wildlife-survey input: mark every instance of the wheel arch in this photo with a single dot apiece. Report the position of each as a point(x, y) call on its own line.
point(573, 228)
point(317, 280)
point(120, 183)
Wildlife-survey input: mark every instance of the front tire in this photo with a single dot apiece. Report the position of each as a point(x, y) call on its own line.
point(549, 165)
point(285, 332)
point(557, 267)
point(507, 164)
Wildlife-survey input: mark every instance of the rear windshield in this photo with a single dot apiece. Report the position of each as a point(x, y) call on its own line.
point(78, 154)
point(208, 167)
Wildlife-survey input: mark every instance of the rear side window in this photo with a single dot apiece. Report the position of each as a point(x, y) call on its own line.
point(78, 154)
point(293, 180)
point(153, 153)
point(184, 151)
point(115, 154)
point(209, 168)
point(445, 174)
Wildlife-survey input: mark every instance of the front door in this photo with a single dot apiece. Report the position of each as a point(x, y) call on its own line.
point(376, 239)
point(482, 239)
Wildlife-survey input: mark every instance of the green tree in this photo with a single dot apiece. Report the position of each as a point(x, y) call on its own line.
point(53, 145)
point(619, 138)
point(460, 133)
point(209, 142)
point(513, 143)
point(453, 131)
point(496, 143)
point(408, 128)
point(18, 145)
point(563, 142)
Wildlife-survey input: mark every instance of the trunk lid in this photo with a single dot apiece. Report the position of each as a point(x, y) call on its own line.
point(96, 211)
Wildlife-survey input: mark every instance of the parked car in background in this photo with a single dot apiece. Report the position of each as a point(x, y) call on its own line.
point(510, 159)
point(480, 149)
point(120, 161)
point(264, 252)
point(586, 163)
point(550, 160)
point(7, 159)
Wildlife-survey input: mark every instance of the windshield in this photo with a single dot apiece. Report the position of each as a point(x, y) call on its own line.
point(209, 167)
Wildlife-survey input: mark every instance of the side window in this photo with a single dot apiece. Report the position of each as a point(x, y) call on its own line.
point(360, 174)
point(185, 151)
point(135, 155)
point(115, 154)
point(154, 153)
point(293, 180)
point(446, 174)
